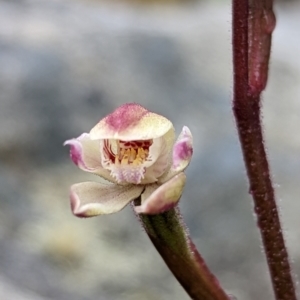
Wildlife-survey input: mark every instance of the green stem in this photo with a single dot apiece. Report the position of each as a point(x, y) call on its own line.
point(170, 238)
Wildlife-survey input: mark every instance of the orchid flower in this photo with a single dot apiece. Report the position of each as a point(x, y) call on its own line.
point(135, 152)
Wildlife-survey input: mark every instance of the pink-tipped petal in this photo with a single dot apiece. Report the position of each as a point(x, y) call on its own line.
point(182, 154)
point(86, 154)
point(131, 122)
point(76, 150)
point(158, 199)
point(89, 199)
point(183, 149)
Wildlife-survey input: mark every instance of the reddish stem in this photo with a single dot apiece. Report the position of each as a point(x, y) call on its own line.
point(253, 23)
point(170, 238)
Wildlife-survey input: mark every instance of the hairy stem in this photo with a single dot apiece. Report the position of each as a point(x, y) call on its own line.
point(168, 234)
point(253, 23)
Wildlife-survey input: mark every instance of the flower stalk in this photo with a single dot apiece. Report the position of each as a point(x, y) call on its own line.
point(253, 23)
point(135, 151)
point(169, 236)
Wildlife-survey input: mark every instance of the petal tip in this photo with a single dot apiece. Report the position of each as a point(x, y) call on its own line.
point(78, 208)
point(186, 131)
point(75, 204)
point(75, 150)
point(164, 198)
point(183, 149)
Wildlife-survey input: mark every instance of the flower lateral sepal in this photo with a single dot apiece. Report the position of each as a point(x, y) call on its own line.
point(181, 156)
point(158, 199)
point(89, 199)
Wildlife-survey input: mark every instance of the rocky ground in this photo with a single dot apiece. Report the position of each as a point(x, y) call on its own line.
point(66, 64)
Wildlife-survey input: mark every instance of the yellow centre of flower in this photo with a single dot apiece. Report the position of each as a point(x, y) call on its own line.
point(132, 153)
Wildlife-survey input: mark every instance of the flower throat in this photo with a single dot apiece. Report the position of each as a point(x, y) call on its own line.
point(128, 152)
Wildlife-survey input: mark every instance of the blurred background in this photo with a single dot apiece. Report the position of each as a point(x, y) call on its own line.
point(65, 64)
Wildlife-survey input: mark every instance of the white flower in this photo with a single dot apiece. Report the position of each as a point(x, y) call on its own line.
point(134, 150)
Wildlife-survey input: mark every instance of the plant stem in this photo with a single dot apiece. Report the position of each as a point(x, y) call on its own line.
point(253, 23)
point(170, 238)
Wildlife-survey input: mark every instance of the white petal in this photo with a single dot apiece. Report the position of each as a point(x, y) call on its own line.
point(86, 154)
point(162, 156)
point(131, 122)
point(90, 199)
point(182, 154)
point(158, 199)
